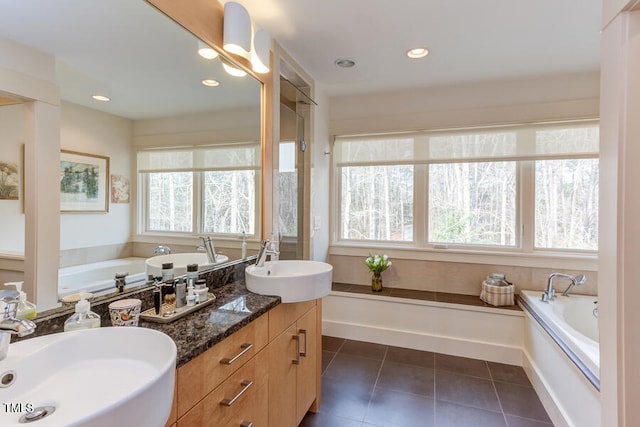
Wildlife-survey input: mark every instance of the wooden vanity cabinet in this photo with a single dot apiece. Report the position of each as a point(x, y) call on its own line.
point(265, 374)
point(294, 364)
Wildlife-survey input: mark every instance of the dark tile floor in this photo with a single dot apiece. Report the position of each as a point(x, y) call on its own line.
point(365, 384)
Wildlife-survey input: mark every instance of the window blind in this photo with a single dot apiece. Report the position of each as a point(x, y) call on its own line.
point(200, 158)
point(504, 143)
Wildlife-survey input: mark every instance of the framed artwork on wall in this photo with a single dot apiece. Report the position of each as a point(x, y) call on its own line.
point(119, 189)
point(9, 181)
point(83, 182)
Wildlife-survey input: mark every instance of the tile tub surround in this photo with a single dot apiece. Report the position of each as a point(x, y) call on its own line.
point(453, 277)
point(366, 384)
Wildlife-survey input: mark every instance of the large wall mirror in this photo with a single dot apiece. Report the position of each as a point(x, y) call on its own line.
point(180, 135)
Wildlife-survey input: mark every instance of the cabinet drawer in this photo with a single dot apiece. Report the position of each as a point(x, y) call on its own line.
point(233, 399)
point(253, 412)
point(207, 371)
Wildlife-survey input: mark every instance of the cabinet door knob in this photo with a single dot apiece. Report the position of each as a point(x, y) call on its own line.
point(245, 347)
point(228, 402)
point(246, 424)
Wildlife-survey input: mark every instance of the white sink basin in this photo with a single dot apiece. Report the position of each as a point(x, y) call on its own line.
point(95, 377)
point(293, 281)
point(153, 265)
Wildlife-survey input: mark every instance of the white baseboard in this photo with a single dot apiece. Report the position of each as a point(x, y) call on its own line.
point(487, 334)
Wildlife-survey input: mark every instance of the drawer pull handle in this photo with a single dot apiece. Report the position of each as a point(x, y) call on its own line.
point(246, 384)
point(245, 347)
point(296, 361)
point(246, 424)
point(304, 352)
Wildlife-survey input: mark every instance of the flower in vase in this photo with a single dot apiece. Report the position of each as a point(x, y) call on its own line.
point(377, 263)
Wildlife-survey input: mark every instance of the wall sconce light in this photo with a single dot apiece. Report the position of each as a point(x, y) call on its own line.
point(260, 51)
point(231, 69)
point(237, 29)
point(206, 51)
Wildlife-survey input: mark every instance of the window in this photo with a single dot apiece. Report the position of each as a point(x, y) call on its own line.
point(520, 188)
point(200, 190)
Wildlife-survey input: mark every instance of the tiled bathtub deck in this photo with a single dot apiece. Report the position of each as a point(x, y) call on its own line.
point(365, 384)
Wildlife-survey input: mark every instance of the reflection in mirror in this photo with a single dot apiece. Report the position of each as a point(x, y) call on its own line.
point(181, 135)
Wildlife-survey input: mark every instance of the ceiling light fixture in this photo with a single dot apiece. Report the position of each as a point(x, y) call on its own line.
point(101, 98)
point(345, 62)
point(237, 29)
point(206, 51)
point(418, 52)
point(210, 82)
point(260, 51)
point(232, 69)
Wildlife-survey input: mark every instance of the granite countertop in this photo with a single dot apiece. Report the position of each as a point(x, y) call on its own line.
point(233, 308)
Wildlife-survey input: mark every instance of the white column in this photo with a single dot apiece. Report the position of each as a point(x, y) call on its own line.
point(619, 234)
point(42, 203)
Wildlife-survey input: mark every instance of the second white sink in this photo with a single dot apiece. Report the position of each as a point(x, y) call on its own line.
point(291, 280)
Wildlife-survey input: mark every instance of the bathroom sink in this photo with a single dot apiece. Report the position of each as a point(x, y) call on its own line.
point(94, 377)
point(153, 265)
point(293, 281)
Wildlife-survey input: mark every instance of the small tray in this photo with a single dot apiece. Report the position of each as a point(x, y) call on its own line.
point(176, 313)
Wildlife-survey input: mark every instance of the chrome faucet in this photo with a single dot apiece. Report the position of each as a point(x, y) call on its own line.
point(121, 281)
point(549, 294)
point(9, 324)
point(162, 250)
point(265, 249)
point(207, 246)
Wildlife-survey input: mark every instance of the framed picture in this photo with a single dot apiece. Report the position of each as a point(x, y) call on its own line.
point(83, 182)
point(119, 189)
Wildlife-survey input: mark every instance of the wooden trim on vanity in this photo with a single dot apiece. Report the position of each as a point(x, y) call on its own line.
point(315, 406)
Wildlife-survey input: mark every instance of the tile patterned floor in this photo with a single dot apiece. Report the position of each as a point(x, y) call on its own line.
point(367, 385)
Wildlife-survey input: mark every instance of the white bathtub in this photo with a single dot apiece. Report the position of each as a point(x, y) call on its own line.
point(99, 276)
point(571, 321)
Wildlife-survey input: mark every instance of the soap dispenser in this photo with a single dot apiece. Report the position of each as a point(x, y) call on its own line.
point(26, 310)
point(84, 318)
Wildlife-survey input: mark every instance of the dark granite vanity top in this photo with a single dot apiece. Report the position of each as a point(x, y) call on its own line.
point(233, 308)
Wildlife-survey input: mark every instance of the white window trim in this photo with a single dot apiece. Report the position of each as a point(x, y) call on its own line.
point(524, 254)
point(143, 234)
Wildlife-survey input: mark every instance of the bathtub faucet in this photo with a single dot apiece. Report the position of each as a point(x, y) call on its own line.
point(9, 324)
point(549, 294)
point(162, 250)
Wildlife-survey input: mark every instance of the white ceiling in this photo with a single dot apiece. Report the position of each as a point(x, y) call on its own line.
point(146, 63)
point(469, 40)
point(127, 50)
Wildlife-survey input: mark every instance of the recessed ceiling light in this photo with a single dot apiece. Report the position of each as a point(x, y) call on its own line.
point(210, 82)
point(345, 63)
point(206, 51)
point(101, 98)
point(418, 52)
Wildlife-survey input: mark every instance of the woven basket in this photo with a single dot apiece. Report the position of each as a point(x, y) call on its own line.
point(497, 295)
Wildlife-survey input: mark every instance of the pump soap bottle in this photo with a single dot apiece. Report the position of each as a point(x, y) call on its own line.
point(26, 310)
point(84, 318)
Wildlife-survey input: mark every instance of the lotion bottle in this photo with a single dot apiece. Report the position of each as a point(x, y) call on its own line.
point(26, 309)
point(84, 318)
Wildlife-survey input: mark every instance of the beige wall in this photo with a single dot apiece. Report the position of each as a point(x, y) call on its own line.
point(90, 131)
